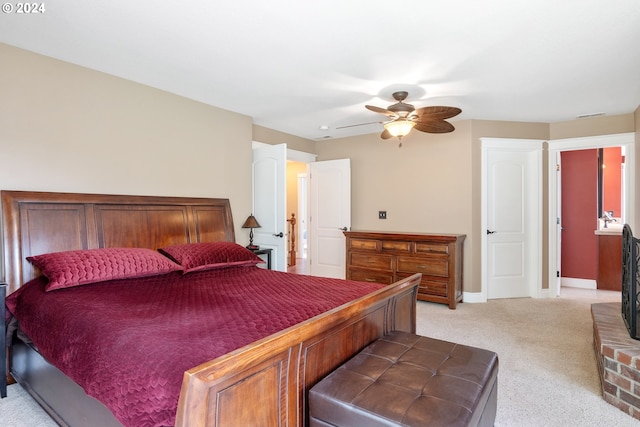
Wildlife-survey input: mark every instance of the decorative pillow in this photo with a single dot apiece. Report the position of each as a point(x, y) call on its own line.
point(81, 267)
point(209, 255)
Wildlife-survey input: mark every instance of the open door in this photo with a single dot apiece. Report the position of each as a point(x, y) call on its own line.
point(269, 202)
point(329, 216)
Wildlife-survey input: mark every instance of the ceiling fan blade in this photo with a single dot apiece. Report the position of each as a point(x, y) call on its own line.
point(426, 119)
point(375, 109)
point(385, 134)
point(359, 124)
point(437, 112)
point(436, 126)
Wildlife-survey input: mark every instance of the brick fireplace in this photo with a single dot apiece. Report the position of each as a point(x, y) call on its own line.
point(618, 357)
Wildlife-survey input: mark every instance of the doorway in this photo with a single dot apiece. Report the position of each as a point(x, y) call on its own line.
point(627, 142)
point(328, 201)
point(303, 207)
point(578, 187)
point(271, 196)
point(297, 217)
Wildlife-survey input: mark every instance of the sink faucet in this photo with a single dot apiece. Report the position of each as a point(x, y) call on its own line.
point(607, 217)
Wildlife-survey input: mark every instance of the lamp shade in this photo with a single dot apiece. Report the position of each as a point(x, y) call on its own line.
point(251, 222)
point(399, 127)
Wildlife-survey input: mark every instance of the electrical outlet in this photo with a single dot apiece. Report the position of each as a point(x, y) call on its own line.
point(382, 214)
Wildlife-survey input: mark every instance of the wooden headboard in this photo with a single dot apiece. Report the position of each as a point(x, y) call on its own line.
point(35, 223)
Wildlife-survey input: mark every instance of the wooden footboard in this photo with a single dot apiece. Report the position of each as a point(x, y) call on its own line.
point(266, 383)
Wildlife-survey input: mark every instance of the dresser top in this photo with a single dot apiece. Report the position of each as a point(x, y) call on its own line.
point(397, 235)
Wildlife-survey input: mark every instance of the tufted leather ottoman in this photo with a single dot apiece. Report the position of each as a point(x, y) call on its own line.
point(404, 379)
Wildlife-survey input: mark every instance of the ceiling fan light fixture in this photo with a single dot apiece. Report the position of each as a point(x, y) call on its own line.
point(400, 127)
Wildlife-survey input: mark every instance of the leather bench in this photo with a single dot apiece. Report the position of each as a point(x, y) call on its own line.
point(404, 379)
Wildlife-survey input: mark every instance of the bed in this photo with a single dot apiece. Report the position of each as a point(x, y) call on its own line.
point(263, 382)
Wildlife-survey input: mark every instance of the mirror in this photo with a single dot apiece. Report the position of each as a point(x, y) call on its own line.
point(611, 181)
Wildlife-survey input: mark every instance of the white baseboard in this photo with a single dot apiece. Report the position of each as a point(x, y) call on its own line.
point(544, 293)
point(571, 282)
point(473, 297)
point(476, 297)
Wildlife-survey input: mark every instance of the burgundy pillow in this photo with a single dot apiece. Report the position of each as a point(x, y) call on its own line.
point(81, 267)
point(209, 255)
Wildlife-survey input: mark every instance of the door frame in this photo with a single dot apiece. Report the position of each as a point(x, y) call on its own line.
point(626, 140)
point(534, 146)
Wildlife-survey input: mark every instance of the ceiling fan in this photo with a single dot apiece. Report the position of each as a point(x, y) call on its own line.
point(404, 117)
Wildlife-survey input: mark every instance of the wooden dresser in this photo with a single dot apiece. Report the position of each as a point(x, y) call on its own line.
point(386, 257)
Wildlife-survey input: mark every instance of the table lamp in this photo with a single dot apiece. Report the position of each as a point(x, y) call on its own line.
point(251, 223)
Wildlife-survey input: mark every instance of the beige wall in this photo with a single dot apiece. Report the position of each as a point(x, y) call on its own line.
point(68, 128)
point(425, 186)
point(432, 184)
point(270, 136)
point(592, 126)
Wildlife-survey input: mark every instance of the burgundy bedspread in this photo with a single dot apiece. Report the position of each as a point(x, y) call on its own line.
point(128, 342)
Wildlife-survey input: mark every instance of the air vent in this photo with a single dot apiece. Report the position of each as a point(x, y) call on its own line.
point(584, 116)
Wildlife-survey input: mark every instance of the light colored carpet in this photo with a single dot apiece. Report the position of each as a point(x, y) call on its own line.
point(547, 377)
point(547, 368)
point(18, 409)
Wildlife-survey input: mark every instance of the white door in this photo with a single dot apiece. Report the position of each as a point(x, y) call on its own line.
point(269, 201)
point(511, 256)
point(558, 225)
point(329, 216)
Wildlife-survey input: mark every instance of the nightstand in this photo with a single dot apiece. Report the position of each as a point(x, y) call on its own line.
point(266, 252)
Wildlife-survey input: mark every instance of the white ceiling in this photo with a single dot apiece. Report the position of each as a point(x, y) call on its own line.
point(296, 65)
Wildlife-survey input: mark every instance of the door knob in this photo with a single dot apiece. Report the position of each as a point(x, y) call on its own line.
point(280, 234)
point(344, 229)
point(490, 232)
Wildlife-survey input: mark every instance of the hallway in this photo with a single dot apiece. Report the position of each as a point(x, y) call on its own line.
point(301, 267)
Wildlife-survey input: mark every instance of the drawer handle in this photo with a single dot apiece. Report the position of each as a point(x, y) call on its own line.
point(369, 280)
point(371, 261)
point(423, 266)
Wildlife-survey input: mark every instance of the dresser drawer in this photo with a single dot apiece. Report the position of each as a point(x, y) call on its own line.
point(433, 287)
point(364, 244)
point(429, 286)
point(431, 248)
point(396, 246)
point(374, 261)
point(363, 275)
point(436, 266)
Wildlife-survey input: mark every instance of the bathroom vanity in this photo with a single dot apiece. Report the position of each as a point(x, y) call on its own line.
point(610, 257)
